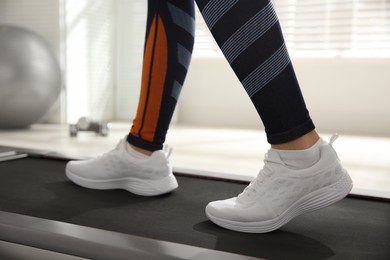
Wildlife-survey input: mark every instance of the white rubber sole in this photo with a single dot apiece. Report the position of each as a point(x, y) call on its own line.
point(134, 185)
point(312, 201)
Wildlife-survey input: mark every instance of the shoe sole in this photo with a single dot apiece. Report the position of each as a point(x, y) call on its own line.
point(311, 202)
point(133, 185)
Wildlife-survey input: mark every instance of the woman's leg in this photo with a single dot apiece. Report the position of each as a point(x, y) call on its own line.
point(168, 49)
point(301, 172)
point(249, 35)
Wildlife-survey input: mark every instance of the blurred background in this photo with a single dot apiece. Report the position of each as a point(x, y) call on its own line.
point(340, 50)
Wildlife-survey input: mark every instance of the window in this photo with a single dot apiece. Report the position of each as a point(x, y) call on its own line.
point(324, 28)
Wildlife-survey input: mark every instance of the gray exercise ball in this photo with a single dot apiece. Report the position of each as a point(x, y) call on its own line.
point(30, 77)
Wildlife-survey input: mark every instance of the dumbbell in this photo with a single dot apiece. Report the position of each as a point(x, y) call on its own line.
point(85, 124)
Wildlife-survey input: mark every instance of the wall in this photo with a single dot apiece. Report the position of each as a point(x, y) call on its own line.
point(90, 61)
point(81, 33)
point(348, 95)
point(43, 17)
point(130, 36)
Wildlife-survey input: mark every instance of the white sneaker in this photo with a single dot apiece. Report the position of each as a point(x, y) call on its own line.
point(117, 169)
point(278, 194)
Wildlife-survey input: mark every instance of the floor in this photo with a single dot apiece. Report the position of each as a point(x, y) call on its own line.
point(218, 152)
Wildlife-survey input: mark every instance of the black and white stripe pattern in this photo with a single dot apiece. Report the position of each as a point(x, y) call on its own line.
point(237, 42)
point(249, 32)
point(186, 22)
point(182, 19)
point(267, 71)
point(184, 56)
point(215, 9)
point(250, 37)
point(176, 90)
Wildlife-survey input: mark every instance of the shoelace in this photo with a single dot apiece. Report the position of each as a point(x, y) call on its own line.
point(257, 183)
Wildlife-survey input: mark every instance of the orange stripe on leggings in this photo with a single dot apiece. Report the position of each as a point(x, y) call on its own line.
point(153, 82)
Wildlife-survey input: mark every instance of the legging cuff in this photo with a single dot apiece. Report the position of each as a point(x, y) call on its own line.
point(292, 134)
point(138, 142)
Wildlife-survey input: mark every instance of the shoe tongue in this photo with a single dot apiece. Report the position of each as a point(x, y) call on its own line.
point(273, 157)
point(121, 145)
point(158, 155)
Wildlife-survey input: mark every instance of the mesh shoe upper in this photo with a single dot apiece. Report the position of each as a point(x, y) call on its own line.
point(277, 188)
point(117, 163)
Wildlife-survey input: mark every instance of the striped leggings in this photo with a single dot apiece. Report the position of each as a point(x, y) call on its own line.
point(249, 35)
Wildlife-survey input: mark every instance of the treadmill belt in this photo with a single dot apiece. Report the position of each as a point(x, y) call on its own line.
point(354, 228)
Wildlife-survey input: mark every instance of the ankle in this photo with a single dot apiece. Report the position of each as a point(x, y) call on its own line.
point(304, 142)
point(140, 150)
